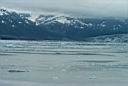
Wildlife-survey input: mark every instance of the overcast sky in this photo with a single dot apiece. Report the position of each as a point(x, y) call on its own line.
point(92, 8)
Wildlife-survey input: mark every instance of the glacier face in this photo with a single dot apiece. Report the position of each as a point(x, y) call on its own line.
point(17, 25)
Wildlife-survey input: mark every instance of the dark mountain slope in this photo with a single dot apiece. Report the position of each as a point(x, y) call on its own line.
point(14, 25)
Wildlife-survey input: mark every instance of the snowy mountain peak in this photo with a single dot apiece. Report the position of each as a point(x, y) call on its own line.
point(48, 19)
point(63, 20)
point(4, 9)
point(3, 12)
point(53, 19)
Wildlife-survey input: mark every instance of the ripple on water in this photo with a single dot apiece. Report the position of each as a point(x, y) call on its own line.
point(97, 61)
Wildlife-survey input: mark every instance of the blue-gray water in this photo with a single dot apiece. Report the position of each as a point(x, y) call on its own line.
point(55, 63)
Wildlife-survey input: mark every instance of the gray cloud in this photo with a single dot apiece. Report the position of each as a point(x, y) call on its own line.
point(92, 8)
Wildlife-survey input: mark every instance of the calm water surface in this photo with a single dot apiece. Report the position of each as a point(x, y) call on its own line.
point(55, 63)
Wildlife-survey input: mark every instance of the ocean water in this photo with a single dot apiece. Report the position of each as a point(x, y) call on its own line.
point(57, 63)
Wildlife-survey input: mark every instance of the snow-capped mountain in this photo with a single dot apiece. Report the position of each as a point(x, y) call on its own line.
point(49, 19)
point(80, 28)
point(17, 25)
point(11, 17)
point(85, 22)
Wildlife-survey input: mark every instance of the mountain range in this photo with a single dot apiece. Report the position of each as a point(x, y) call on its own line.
point(18, 26)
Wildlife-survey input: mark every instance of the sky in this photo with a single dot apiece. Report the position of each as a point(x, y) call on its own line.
point(89, 8)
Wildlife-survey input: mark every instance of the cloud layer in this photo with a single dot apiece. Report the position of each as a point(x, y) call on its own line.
point(91, 8)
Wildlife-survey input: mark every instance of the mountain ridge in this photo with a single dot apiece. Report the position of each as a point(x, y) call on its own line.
point(14, 25)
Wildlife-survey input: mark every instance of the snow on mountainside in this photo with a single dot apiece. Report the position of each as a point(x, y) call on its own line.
point(53, 19)
point(48, 19)
point(82, 23)
point(18, 25)
point(13, 16)
point(79, 28)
